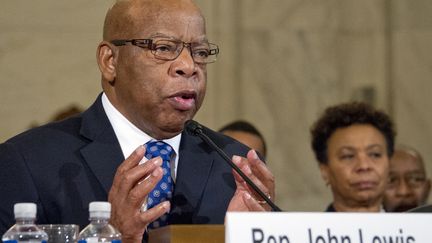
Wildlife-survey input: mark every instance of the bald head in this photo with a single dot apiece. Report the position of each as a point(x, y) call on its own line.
point(126, 18)
point(408, 155)
point(408, 184)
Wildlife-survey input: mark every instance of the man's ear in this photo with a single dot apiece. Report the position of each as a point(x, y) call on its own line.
point(324, 173)
point(106, 59)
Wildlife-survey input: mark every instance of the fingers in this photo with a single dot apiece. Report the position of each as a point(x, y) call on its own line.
point(131, 162)
point(134, 227)
point(131, 185)
point(258, 167)
point(260, 170)
point(251, 203)
point(259, 174)
point(130, 174)
point(244, 165)
point(138, 193)
point(155, 212)
point(242, 201)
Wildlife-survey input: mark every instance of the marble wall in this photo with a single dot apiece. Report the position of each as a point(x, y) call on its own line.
point(47, 59)
point(281, 63)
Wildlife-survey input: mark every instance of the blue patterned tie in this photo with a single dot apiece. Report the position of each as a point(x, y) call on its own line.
point(163, 190)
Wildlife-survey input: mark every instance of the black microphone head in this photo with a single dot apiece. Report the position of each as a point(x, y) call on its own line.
point(193, 127)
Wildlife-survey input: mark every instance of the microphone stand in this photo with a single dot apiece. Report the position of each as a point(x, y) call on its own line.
point(196, 129)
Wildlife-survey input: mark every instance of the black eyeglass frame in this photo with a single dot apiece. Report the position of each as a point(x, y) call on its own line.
point(148, 43)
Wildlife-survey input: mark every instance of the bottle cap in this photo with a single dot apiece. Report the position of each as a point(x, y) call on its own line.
point(100, 209)
point(25, 210)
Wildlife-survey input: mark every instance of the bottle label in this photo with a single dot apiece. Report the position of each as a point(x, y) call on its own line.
point(93, 240)
point(29, 241)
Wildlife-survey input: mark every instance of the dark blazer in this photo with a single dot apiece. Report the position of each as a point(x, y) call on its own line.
point(64, 166)
point(421, 209)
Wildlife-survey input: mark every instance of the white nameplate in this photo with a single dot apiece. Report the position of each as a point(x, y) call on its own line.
point(328, 227)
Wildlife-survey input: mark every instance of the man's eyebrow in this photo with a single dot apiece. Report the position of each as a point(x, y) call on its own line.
point(415, 172)
point(162, 35)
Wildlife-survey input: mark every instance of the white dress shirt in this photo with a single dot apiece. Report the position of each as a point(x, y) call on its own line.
point(130, 137)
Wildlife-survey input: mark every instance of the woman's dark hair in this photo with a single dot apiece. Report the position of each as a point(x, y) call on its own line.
point(347, 114)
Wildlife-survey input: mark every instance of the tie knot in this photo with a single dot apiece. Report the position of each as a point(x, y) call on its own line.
point(158, 148)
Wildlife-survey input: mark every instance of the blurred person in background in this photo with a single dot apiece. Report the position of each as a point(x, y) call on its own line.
point(353, 143)
point(408, 185)
point(68, 111)
point(247, 134)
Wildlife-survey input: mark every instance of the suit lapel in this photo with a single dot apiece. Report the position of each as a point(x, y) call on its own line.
point(103, 153)
point(193, 172)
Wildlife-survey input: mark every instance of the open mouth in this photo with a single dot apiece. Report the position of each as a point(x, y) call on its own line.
point(184, 100)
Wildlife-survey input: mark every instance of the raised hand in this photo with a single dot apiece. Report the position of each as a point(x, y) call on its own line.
point(245, 198)
point(132, 183)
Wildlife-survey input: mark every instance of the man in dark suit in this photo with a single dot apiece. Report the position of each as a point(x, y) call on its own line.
point(153, 61)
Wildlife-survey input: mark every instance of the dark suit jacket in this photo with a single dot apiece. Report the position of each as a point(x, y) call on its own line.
point(64, 166)
point(421, 209)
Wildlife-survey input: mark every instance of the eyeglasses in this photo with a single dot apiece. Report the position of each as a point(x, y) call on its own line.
point(411, 180)
point(168, 49)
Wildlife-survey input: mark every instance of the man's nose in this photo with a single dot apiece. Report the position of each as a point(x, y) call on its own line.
point(403, 189)
point(184, 65)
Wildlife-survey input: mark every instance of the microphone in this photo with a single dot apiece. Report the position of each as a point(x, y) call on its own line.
point(195, 129)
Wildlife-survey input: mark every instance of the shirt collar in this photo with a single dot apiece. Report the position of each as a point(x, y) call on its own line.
point(128, 135)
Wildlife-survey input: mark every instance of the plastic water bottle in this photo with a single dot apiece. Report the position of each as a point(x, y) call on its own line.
point(25, 229)
point(99, 230)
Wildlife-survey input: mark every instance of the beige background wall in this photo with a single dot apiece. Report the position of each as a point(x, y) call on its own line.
point(282, 62)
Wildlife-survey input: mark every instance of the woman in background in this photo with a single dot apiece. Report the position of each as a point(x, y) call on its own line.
point(353, 143)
